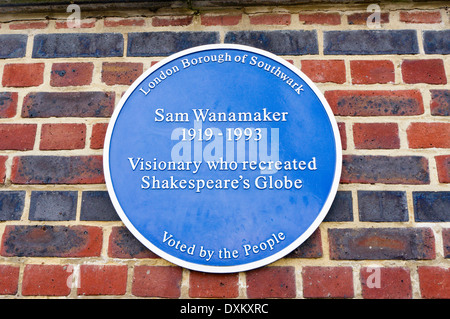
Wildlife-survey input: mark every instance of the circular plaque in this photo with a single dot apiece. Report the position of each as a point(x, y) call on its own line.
point(222, 158)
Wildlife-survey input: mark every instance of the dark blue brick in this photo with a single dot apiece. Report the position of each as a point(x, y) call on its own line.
point(370, 169)
point(436, 42)
point(11, 205)
point(167, 43)
point(371, 42)
point(278, 42)
point(382, 206)
point(53, 205)
point(69, 45)
point(402, 243)
point(68, 104)
point(342, 208)
point(440, 102)
point(13, 45)
point(96, 205)
point(431, 206)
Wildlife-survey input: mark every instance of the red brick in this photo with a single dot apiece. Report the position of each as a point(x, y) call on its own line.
point(57, 170)
point(392, 283)
point(434, 282)
point(327, 282)
point(375, 103)
point(3, 168)
point(122, 244)
point(23, 74)
point(17, 136)
point(376, 135)
point(28, 25)
point(120, 72)
point(61, 136)
point(98, 135)
point(271, 282)
point(157, 281)
point(446, 242)
point(171, 21)
point(271, 19)
point(203, 285)
point(428, 135)
point(343, 135)
point(360, 18)
point(45, 280)
point(372, 72)
point(8, 104)
point(71, 74)
point(430, 71)
point(98, 280)
point(9, 279)
point(323, 71)
point(443, 168)
point(210, 20)
point(84, 23)
point(124, 22)
point(320, 18)
point(51, 241)
point(420, 17)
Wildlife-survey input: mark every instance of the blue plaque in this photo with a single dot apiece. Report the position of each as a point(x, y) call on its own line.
point(222, 158)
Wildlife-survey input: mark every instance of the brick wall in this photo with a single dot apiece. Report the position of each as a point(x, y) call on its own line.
point(388, 232)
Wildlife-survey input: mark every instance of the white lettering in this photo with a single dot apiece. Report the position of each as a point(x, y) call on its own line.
point(269, 243)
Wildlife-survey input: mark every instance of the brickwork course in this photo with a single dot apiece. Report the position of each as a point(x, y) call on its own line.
point(386, 84)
